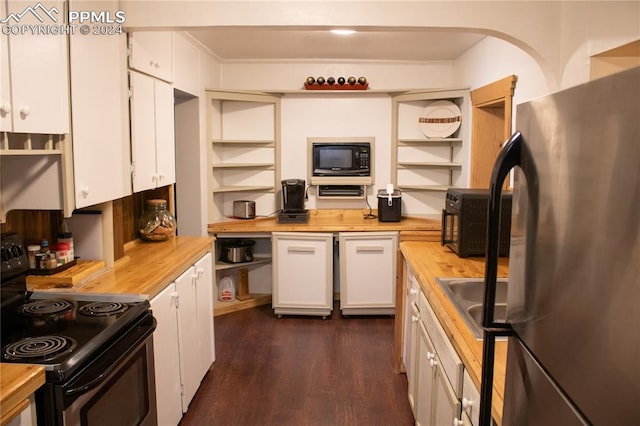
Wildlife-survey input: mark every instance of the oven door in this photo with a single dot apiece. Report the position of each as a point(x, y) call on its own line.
point(119, 387)
point(450, 236)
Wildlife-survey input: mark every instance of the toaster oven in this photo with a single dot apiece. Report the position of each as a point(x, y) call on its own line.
point(464, 221)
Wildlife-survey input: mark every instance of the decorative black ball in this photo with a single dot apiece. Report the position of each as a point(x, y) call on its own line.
point(341, 81)
point(351, 80)
point(331, 81)
point(320, 80)
point(362, 81)
point(311, 80)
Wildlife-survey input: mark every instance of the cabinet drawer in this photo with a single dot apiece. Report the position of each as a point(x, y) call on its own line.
point(450, 360)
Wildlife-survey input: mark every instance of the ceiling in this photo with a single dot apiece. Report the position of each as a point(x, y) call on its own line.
point(376, 44)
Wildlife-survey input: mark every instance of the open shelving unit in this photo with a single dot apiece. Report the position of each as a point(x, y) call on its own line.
point(424, 168)
point(244, 151)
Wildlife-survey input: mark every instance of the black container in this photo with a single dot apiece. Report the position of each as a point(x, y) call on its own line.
point(389, 207)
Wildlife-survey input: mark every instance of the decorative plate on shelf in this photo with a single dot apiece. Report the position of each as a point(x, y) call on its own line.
point(440, 119)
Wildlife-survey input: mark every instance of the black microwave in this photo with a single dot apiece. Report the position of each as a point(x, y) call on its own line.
point(341, 159)
point(464, 221)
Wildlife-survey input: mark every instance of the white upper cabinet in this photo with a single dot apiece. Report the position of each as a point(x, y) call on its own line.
point(34, 90)
point(152, 132)
point(151, 52)
point(100, 115)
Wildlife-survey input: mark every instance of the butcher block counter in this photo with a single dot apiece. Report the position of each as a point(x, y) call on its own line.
point(428, 261)
point(146, 268)
point(17, 383)
point(346, 220)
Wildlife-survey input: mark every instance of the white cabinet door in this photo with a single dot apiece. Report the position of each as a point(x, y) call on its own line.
point(165, 134)
point(167, 356)
point(151, 53)
point(204, 294)
point(446, 403)
point(302, 273)
point(5, 79)
point(100, 114)
point(38, 73)
point(411, 360)
point(152, 132)
point(368, 272)
point(426, 365)
point(188, 336)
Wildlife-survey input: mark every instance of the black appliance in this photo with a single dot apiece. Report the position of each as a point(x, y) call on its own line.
point(293, 198)
point(389, 206)
point(464, 221)
point(341, 159)
point(97, 351)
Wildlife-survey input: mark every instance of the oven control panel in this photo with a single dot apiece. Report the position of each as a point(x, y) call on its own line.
point(13, 255)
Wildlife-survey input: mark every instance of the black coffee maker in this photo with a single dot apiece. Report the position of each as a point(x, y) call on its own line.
point(293, 197)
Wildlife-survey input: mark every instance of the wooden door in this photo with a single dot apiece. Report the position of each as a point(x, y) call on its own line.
point(491, 117)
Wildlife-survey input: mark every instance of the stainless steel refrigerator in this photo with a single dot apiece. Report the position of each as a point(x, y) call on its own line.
point(573, 307)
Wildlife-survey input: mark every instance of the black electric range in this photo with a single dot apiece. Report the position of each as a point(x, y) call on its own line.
point(63, 331)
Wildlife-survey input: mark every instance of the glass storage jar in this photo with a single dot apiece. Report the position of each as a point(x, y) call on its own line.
point(156, 223)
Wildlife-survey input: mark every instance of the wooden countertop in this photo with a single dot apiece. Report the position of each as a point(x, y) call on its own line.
point(345, 220)
point(17, 383)
point(148, 267)
point(430, 260)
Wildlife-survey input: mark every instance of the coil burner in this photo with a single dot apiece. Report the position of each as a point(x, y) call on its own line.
point(45, 308)
point(103, 309)
point(42, 348)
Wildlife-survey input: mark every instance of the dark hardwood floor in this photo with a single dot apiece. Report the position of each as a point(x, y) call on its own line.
point(301, 371)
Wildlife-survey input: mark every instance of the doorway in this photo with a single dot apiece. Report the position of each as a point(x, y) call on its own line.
point(492, 111)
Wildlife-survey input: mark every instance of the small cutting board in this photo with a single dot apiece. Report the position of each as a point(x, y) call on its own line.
point(75, 275)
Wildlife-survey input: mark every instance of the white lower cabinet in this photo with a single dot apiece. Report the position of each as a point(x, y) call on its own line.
point(368, 272)
point(411, 327)
point(302, 273)
point(183, 339)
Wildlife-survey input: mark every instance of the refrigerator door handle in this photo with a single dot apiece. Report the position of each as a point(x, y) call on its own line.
point(508, 158)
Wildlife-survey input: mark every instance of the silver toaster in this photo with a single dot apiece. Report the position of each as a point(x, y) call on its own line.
point(244, 209)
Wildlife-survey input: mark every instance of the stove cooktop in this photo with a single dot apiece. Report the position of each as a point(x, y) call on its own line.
point(63, 331)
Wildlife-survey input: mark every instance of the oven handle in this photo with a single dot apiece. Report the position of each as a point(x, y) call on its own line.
point(143, 333)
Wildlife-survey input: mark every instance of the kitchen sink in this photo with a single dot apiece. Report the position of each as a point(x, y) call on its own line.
point(467, 295)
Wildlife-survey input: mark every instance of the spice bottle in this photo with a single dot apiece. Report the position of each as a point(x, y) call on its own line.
point(66, 240)
point(44, 246)
point(32, 250)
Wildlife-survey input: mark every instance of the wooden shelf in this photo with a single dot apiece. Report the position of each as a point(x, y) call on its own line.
point(428, 141)
point(267, 166)
point(257, 260)
point(243, 189)
point(221, 308)
point(430, 165)
point(16, 152)
point(426, 188)
point(265, 142)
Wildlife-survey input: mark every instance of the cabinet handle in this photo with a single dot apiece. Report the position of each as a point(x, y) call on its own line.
point(161, 177)
point(5, 108)
point(151, 62)
point(433, 362)
point(413, 291)
point(430, 355)
point(466, 403)
point(301, 249)
point(84, 192)
point(414, 318)
point(457, 422)
point(370, 249)
point(25, 111)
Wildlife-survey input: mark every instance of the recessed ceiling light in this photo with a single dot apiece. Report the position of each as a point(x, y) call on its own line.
point(343, 32)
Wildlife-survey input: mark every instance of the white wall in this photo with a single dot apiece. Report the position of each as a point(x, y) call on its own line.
point(335, 115)
point(493, 59)
point(389, 75)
